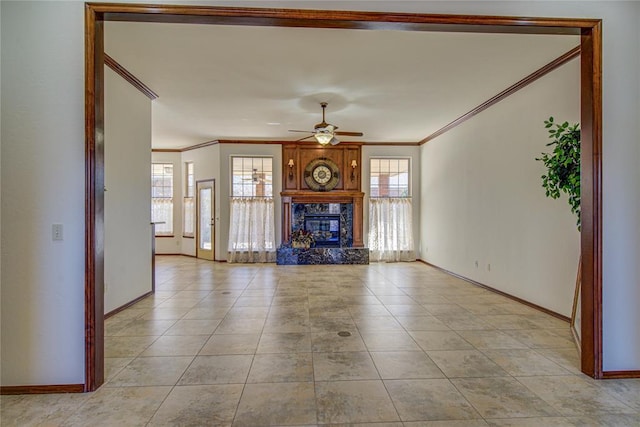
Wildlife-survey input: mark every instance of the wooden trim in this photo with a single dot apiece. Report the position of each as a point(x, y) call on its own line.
point(41, 389)
point(339, 19)
point(591, 202)
point(389, 143)
point(187, 255)
point(94, 200)
point(337, 194)
point(591, 124)
point(125, 74)
point(201, 145)
point(127, 305)
point(182, 150)
point(250, 141)
point(556, 63)
point(170, 236)
point(611, 375)
point(496, 291)
point(166, 150)
point(280, 142)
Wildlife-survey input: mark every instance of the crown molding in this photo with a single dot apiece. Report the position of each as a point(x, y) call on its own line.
point(125, 74)
point(556, 63)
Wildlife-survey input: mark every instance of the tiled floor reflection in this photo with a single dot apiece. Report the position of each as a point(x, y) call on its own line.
point(258, 345)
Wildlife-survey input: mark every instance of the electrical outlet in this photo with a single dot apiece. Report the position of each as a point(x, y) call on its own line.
point(57, 232)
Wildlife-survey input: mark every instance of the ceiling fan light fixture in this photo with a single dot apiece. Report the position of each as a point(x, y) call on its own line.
point(323, 138)
point(324, 133)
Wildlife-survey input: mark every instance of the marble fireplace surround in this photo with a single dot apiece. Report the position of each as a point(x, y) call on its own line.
point(347, 203)
point(303, 211)
point(294, 208)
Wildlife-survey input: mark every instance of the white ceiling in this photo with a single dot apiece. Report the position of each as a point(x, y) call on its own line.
point(239, 82)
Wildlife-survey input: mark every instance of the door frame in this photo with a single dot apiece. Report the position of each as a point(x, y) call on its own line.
point(213, 213)
point(590, 31)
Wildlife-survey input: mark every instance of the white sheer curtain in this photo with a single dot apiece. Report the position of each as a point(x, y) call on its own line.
point(251, 230)
point(162, 212)
point(188, 217)
point(390, 229)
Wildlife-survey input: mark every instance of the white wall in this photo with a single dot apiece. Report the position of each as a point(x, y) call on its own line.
point(127, 213)
point(206, 164)
point(413, 153)
point(43, 176)
point(0, 209)
point(42, 184)
point(621, 190)
point(171, 244)
point(482, 199)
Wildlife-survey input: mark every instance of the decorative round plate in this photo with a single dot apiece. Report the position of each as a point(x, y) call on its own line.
point(321, 174)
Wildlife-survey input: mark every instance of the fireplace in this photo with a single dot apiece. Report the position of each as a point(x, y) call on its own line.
point(334, 217)
point(331, 223)
point(325, 229)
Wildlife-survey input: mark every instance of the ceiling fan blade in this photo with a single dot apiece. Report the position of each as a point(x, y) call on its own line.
point(306, 137)
point(344, 133)
point(323, 130)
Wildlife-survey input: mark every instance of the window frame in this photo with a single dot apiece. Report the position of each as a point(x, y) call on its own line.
point(170, 232)
point(409, 187)
point(189, 197)
point(253, 158)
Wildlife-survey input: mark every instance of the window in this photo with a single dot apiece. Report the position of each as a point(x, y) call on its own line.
point(162, 198)
point(188, 216)
point(390, 211)
point(252, 223)
point(390, 178)
point(252, 177)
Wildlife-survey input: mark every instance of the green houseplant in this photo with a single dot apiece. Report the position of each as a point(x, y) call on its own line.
point(563, 163)
point(563, 176)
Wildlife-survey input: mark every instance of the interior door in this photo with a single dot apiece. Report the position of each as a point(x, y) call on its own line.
point(205, 219)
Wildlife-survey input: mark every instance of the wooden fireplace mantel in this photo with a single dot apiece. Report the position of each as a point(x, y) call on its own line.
point(322, 196)
point(348, 158)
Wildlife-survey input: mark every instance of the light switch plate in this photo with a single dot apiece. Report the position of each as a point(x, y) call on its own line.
point(57, 232)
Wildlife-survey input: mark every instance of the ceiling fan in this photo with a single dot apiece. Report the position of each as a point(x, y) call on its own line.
point(325, 133)
point(258, 178)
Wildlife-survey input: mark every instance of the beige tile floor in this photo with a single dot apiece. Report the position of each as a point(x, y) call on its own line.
point(258, 345)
